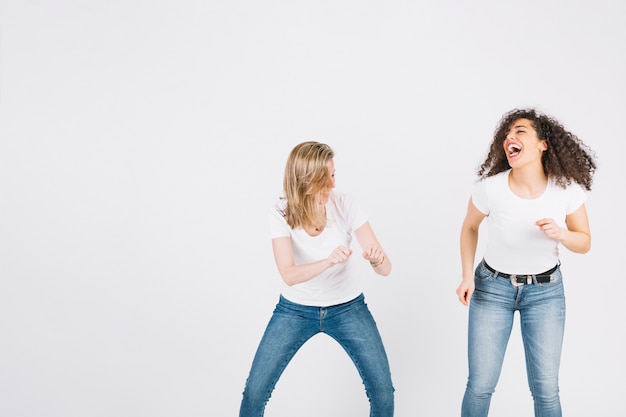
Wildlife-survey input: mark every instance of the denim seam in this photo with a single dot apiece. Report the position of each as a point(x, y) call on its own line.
point(322, 316)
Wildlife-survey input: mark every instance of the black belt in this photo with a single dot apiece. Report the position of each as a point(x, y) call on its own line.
point(541, 278)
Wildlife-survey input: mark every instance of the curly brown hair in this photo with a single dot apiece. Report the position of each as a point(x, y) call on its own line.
point(566, 160)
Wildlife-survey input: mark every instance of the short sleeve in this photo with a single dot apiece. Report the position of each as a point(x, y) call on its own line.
point(348, 213)
point(278, 226)
point(576, 198)
point(480, 198)
point(357, 216)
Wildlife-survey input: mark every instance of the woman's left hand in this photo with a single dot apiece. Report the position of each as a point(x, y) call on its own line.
point(374, 254)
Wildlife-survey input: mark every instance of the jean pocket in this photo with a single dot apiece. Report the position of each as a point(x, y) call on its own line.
point(481, 273)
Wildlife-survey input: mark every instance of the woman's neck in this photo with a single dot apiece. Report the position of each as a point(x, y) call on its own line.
point(528, 182)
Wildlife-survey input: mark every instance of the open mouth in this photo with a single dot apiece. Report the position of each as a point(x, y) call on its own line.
point(513, 149)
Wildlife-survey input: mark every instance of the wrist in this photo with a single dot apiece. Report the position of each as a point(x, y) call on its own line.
point(378, 263)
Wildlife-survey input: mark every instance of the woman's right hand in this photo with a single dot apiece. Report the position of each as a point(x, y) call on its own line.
point(338, 255)
point(465, 291)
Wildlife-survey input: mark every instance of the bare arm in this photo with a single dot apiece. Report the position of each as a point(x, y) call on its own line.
point(372, 250)
point(469, 242)
point(294, 274)
point(576, 237)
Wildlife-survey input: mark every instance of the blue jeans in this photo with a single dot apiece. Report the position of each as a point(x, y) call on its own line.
point(351, 324)
point(541, 308)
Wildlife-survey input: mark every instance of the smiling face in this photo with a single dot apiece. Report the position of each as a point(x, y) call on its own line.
point(522, 146)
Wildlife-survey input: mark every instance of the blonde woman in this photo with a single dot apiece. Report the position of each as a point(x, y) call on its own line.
point(311, 229)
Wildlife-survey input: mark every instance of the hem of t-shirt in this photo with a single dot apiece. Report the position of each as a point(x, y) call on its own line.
point(322, 303)
point(540, 269)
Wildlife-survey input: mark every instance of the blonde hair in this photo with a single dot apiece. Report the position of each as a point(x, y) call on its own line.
point(306, 178)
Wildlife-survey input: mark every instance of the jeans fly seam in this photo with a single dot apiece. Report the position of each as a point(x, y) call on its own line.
point(323, 312)
point(518, 296)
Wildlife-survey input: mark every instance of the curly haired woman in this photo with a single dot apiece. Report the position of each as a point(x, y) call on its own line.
point(311, 230)
point(532, 188)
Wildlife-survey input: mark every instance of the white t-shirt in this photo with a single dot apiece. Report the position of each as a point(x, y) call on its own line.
point(516, 245)
point(337, 284)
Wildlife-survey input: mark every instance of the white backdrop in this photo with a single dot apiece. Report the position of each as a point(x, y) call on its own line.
point(142, 143)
